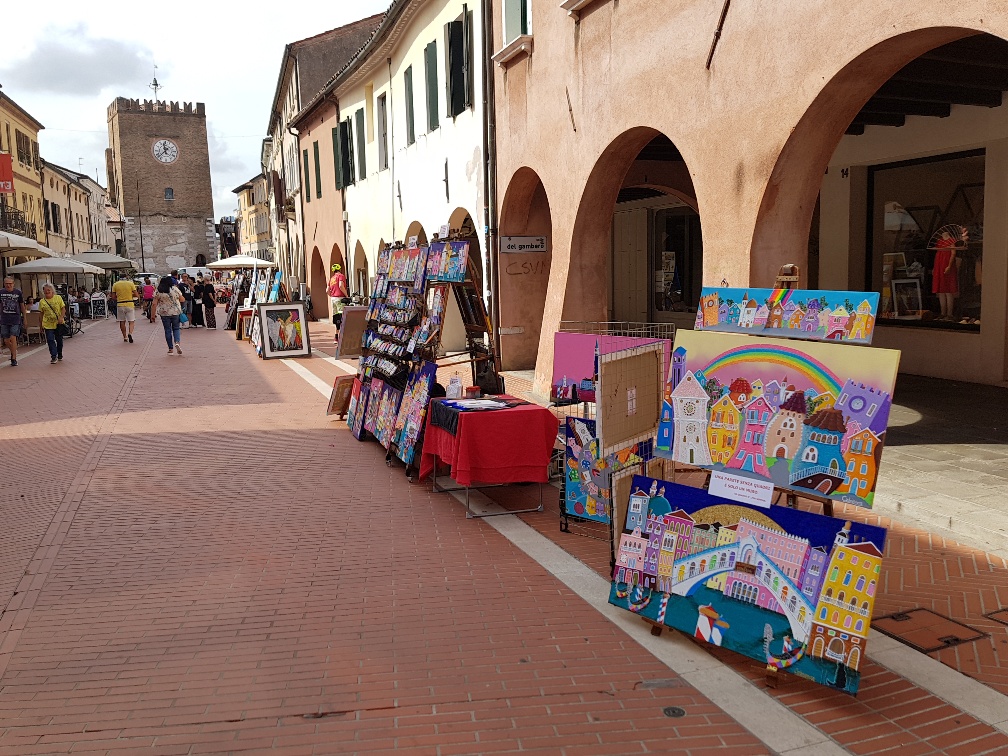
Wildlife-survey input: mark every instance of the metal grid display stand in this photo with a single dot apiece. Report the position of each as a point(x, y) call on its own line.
point(571, 522)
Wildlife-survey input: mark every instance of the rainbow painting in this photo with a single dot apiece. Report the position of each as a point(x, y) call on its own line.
point(844, 316)
point(809, 417)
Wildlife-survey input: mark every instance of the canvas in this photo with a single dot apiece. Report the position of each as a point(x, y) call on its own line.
point(339, 400)
point(575, 362)
point(387, 412)
point(791, 589)
point(847, 316)
point(283, 326)
point(358, 408)
point(808, 417)
point(351, 332)
point(588, 474)
point(274, 293)
point(375, 393)
point(629, 396)
point(413, 410)
point(256, 336)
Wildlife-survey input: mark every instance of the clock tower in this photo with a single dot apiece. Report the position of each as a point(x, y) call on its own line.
point(158, 166)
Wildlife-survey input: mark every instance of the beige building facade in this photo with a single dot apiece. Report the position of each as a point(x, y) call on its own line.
point(254, 218)
point(21, 209)
point(66, 209)
point(684, 157)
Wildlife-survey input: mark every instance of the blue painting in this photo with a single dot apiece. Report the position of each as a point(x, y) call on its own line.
point(847, 316)
point(791, 589)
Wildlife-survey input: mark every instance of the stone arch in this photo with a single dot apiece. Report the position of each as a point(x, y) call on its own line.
point(360, 282)
point(461, 221)
point(200, 260)
point(416, 229)
point(524, 277)
point(785, 214)
point(317, 281)
point(336, 258)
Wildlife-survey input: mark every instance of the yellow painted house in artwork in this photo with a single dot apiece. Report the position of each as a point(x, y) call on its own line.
point(723, 430)
point(864, 322)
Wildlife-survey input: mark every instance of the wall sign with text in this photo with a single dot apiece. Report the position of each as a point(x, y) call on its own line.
point(523, 244)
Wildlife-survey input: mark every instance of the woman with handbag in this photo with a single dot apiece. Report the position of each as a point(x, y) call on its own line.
point(209, 302)
point(196, 320)
point(168, 303)
point(53, 311)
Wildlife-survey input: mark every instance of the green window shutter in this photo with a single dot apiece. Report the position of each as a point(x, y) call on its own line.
point(361, 144)
point(307, 187)
point(430, 70)
point(346, 149)
point(318, 172)
point(338, 158)
point(410, 122)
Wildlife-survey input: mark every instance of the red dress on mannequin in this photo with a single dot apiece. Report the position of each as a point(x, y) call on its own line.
point(945, 280)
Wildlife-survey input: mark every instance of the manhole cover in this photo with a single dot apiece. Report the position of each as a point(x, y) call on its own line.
point(1001, 615)
point(925, 630)
point(674, 711)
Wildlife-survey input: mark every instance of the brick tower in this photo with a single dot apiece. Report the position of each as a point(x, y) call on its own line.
point(159, 177)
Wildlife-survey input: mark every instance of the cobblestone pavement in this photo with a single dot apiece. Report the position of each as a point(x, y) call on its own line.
point(195, 559)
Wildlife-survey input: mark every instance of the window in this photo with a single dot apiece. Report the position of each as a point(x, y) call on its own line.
point(35, 156)
point(910, 203)
point(318, 171)
point(458, 63)
point(169, 193)
point(410, 115)
point(516, 19)
point(343, 154)
point(307, 183)
point(361, 145)
point(24, 151)
point(430, 71)
point(847, 578)
point(382, 133)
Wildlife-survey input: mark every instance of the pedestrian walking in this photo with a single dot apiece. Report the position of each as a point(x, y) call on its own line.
point(337, 291)
point(125, 294)
point(168, 303)
point(209, 303)
point(53, 310)
point(148, 299)
point(12, 309)
point(185, 286)
point(197, 310)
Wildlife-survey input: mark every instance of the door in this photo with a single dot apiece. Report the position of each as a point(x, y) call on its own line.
point(630, 265)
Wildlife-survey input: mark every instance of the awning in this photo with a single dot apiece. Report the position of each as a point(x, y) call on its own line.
point(239, 261)
point(102, 259)
point(12, 245)
point(53, 265)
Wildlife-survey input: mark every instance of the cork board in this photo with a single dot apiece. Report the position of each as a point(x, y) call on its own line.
point(629, 396)
point(351, 332)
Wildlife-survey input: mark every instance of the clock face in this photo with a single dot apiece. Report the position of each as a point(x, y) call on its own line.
point(165, 151)
point(689, 408)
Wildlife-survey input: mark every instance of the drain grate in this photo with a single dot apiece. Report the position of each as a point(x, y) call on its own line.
point(675, 712)
point(925, 630)
point(1001, 615)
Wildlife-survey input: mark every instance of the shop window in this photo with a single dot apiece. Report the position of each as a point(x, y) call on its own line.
point(410, 114)
point(925, 240)
point(517, 19)
point(382, 133)
point(678, 260)
point(430, 71)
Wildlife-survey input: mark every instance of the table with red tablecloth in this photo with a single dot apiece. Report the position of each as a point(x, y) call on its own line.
point(510, 445)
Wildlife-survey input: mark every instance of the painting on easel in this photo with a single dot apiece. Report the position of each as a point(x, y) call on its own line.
point(786, 587)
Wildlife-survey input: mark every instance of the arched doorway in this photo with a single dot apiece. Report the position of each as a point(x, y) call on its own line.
point(903, 141)
point(336, 258)
point(200, 261)
point(361, 283)
point(461, 222)
point(524, 276)
point(317, 281)
point(416, 229)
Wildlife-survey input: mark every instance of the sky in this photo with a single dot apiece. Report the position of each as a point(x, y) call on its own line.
point(66, 64)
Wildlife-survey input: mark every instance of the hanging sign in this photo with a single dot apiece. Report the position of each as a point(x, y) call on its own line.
point(6, 174)
point(523, 244)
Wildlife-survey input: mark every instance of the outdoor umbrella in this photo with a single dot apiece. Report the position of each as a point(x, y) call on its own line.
point(12, 245)
point(239, 261)
point(102, 259)
point(54, 265)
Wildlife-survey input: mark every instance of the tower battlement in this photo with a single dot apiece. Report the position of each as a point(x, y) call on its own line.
point(160, 107)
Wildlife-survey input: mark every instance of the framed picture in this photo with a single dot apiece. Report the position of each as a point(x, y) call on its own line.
point(906, 294)
point(896, 260)
point(283, 330)
point(339, 400)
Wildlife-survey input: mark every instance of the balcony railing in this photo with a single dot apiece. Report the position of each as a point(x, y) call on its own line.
point(15, 221)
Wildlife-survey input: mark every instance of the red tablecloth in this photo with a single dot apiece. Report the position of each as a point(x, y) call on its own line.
point(510, 445)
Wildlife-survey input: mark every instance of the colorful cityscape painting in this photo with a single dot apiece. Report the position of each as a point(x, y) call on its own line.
point(846, 316)
point(791, 589)
point(809, 417)
point(588, 475)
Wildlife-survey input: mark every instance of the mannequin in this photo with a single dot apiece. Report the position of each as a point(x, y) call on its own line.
point(945, 275)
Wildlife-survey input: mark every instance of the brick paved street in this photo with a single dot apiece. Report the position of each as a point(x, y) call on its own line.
point(195, 559)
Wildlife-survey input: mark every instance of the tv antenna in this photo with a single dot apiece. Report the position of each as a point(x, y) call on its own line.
point(154, 84)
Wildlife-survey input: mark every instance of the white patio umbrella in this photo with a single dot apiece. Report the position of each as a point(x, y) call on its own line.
point(12, 245)
point(239, 261)
point(54, 265)
point(102, 259)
